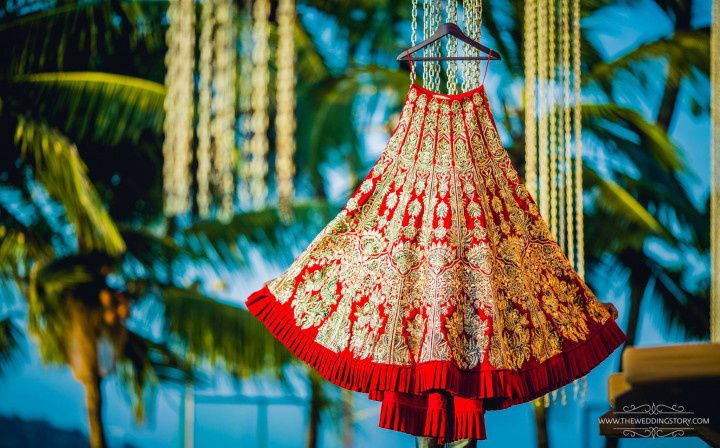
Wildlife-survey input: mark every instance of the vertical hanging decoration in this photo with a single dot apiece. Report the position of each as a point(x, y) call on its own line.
point(244, 98)
point(222, 127)
point(413, 31)
point(216, 107)
point(204, 147)
point(472, 10)
point(715, 174)
point(178, 126)
point(255, 167)
point(431, 20)
point(541, 14)
point(553, 171)
point(577, 134)
point(530, 60)
point(552, 120)
point(451, 48)
point(285, 118)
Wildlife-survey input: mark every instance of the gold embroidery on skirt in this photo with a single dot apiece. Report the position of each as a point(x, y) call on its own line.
point(440, 254)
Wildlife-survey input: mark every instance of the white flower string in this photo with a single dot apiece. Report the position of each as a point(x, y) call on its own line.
point(216, 107)
point(178, 105)
point(258, 145)
point(552, 117)
point(205, 68)
point(530, 61)
point(473, 25)
point(285, 118)
point(553, 127)
point(577, 131)
point(222, 127)
point(451, 49)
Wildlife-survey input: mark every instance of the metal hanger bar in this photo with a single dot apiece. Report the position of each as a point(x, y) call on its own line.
point(443, 30)
point(494, 57)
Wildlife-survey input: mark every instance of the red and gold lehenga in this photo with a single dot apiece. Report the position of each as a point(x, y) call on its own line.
point(438, 289)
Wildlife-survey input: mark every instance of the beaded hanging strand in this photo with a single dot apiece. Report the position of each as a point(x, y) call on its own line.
point(258, 144)
point(285, 118)
point(577, 129)
point(431, 20)
point(222, 127)
point(413, 35)
point(564, 131)
point(568, 132)
point(205, 68)
point(473, 25)
point(552, 116)
point(451, 48)
point(530, 50)
point(178, 106)
point(426, 73)
point(542, 70)
point(244, 100)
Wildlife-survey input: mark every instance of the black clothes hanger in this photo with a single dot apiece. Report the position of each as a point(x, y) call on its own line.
point(451, 29)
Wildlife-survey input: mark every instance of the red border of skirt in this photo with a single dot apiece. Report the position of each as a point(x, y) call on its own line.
point(499, 388)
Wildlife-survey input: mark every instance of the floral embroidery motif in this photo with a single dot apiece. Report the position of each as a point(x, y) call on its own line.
point(440, 254)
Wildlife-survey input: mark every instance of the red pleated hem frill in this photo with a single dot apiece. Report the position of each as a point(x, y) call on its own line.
point(432, 414)
point(409, 393)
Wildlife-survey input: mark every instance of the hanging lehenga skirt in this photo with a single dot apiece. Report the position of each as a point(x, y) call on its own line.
point(438, 289)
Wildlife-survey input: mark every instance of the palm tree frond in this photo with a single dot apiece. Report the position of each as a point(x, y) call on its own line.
point(237, 341)
point(10, 336)
point(617, 199)
point(681, 308)
point(687, 50)
point(103, 106)
point(21, 243)
point(58, 167)
point(652, 138)
point(143, 363)
point(260, 230)
point(72, 34)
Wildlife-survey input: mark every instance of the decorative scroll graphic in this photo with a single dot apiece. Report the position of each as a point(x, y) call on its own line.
point(655, 432)
point(653, 409)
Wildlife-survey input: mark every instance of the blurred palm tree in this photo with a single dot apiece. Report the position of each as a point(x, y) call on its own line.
point(84, 238)
point(105, 260)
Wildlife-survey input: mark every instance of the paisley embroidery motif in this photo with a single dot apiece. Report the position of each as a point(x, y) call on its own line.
point(440, 254)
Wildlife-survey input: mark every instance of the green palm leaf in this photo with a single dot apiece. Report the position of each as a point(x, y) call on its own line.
point(57, 166)
point(73, 34)
point(10, 336)
point(653, 139)
point(262, 230)
point(615, 198)
point(222, 334)
point(21, 244)
point(103, 106)
point(142, 363)
point(156, 252)
point(328, 127)
point(687, 49)
point(683, 308)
